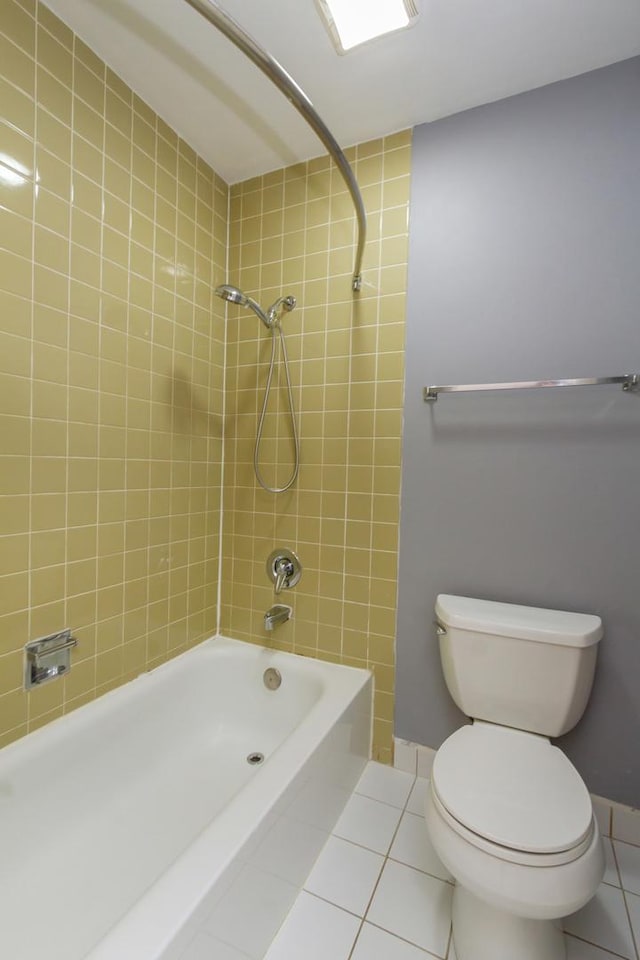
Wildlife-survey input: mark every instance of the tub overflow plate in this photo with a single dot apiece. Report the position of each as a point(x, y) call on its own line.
point(272, 678)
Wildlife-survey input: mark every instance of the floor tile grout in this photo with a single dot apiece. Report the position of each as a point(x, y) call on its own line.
point(394, 806)
point(598, 946)
point(615, 860)
point(384, 863)
point(426, 872)
point(629, 843)
point(427, 953)
point(633, 935)
point(387, 855)
point(331, 903)
point(386, 858)
point(362, 846)
point(355, 942)
point(624, 897)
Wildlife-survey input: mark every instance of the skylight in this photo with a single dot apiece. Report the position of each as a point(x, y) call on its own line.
point(352, 22)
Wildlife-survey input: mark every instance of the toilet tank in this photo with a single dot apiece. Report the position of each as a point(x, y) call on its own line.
point(522, 667)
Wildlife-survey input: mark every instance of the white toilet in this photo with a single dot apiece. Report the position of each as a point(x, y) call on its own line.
point(507, 813)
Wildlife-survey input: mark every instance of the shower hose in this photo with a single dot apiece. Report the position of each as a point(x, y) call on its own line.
point(275, 326)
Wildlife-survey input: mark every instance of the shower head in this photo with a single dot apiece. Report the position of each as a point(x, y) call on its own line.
point(231, 294)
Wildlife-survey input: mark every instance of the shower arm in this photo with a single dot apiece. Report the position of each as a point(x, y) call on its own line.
point(278, 75)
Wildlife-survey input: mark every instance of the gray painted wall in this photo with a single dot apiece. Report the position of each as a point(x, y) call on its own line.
point(525, 264)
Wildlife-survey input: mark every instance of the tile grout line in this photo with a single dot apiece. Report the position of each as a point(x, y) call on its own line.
point(384, 862)
point(411, 943)
point(636, 945)
point(222, 500)
point(32, 321)
point(597, 946)
point(634, 941)
point(387, 858)
point(72, 162)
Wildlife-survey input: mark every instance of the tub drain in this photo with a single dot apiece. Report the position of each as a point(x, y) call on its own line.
point(255, 758)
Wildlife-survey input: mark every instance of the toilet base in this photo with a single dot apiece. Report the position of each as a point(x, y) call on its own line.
point(482, 932)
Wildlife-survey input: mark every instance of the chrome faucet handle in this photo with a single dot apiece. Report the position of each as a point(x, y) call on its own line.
point(283, 568)
point(284, 572)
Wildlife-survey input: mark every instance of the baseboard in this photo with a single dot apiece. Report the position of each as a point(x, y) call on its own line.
point(412, 757)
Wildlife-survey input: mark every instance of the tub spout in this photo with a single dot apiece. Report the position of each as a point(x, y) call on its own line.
point(279, 613)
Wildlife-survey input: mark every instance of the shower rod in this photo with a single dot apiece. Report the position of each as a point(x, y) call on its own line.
point(630, 383)
point(298, 98)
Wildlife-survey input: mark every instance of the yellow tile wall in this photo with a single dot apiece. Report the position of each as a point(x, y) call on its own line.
point(112, 232)
point(293, 232)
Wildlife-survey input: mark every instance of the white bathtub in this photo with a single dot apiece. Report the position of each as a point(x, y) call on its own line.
point(135, 829)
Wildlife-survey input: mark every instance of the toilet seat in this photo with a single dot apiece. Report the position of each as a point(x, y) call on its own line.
point(520, 857)
point(512, 794)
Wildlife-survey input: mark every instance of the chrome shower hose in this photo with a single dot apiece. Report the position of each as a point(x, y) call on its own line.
point(275, 325)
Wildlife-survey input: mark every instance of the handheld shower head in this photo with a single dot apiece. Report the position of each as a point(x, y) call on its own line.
point(231, 294)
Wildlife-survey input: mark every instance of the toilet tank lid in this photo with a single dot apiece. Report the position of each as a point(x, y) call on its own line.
point(523, 623)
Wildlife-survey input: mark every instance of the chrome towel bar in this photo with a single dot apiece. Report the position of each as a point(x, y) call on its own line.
point(630, 383)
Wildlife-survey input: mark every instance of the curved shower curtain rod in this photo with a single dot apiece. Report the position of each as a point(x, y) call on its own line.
point(278, 75)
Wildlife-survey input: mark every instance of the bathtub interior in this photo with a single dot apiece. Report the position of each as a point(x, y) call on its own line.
point(157, 761)
point(264, 878)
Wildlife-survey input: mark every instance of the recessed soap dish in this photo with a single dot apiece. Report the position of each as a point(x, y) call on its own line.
point(47, 658)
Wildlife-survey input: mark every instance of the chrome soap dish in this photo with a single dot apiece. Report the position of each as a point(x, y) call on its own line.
point(47, 658)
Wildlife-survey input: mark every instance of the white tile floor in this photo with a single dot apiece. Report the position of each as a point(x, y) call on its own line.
point(379, 892)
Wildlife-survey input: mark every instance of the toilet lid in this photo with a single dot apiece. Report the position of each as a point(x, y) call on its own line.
point(513, 788)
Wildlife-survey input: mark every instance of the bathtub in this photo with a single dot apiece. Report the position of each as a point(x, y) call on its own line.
point(135, 829)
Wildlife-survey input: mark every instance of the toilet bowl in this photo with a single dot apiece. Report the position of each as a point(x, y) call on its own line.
point(520, 865)
point(507, 812)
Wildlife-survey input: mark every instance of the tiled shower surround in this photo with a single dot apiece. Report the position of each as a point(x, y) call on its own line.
point(111, 372)
point(112, 387)
point(292, 232)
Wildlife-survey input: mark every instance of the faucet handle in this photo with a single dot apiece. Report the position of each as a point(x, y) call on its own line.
point(283, 568)
point(284, 571)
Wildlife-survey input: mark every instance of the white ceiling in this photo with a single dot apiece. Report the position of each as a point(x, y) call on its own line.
point(461, 53)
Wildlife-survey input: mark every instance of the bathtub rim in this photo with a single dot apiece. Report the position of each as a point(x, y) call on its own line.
point(103, 703)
